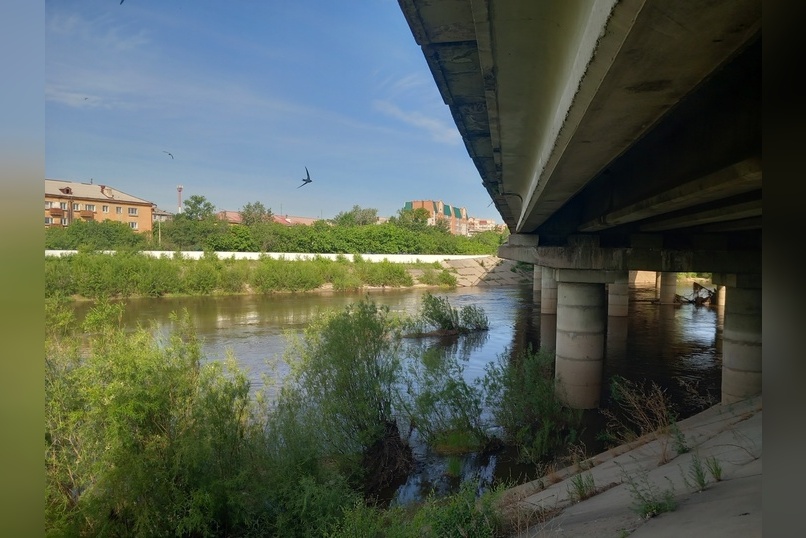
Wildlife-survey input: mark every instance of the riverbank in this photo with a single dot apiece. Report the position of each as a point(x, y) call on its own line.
point(93, 275)
point(724, 440)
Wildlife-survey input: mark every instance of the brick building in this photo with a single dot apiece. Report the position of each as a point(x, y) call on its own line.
point(69, 201)
point(456, 217)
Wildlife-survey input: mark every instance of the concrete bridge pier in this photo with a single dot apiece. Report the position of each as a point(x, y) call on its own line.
point(537, 284)
point(617, 331)
point(741, 337)
point(548, 296)
point(618, 295)
point(719, 298)
point(668, 287)
point(581, 334)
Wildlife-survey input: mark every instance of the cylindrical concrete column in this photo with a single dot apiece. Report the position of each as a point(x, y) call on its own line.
point(719, 298)
point(668, 287)
point(548, 300)
point(741, 345)
point(719, 306)
point(618, 295)
point(548, 332)
point(617, 337)
point(581, 326)
point(537, 284)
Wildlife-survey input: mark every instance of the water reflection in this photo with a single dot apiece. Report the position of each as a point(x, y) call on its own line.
point(664, 343)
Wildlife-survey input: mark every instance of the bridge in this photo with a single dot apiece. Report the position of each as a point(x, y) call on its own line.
point(613, 136)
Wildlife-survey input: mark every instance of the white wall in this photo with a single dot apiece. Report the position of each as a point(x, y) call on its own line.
point(394, 258)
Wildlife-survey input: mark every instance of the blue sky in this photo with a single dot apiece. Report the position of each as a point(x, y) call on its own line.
point(245, 94)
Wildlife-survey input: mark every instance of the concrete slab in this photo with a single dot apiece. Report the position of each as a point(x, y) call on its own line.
point(722, 503)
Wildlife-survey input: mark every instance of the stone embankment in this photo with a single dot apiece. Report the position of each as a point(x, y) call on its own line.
point(488, 271)
point(725, 436)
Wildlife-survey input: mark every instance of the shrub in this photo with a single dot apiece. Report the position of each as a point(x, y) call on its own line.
point(344, 376)
point(144, 439)
point(520, 393)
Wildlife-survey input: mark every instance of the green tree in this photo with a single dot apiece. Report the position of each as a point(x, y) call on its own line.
point(197, 207)
point(412, 219)
point(255, 213)
point(357, 216)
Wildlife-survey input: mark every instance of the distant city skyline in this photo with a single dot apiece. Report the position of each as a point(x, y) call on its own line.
point(235, 100)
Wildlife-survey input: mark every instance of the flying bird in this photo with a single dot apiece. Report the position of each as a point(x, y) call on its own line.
point(307, 179)
point(168, 153)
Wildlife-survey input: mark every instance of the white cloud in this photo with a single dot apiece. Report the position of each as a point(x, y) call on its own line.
point(438, 130)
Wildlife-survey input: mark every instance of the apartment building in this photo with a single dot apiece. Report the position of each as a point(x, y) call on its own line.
point(69, 201)
point(456, 217)
point(475, 226)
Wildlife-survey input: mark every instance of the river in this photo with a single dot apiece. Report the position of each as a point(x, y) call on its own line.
point(664, 343)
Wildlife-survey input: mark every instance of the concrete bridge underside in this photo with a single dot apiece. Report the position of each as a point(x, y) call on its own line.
point(613, 136)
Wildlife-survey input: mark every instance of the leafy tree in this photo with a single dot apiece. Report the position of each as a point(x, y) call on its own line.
point(412, 219)
point(357, 216)
point(255, 213)
point(442, 226)
point(197, 207)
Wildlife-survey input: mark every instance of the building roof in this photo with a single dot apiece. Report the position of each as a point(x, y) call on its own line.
point(89, 191)
point(232, 217)
point(288, 220)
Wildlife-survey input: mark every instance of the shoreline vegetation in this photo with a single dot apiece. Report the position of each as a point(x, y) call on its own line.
point(88, 275)
point(145, 437)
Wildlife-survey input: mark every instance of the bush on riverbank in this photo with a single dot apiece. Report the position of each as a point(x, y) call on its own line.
point(129, 273)
point(520, 391)
point(146, 437)
point(208, 233)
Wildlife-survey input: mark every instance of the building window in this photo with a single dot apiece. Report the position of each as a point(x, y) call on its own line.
point(48, 205)
point(119, 210)
point(76, 207)
point(48, 220)
point(89, 207)
point(105, 208)
point(63, 205)
point(133, 211)
point(64, 221)
point(133, 225)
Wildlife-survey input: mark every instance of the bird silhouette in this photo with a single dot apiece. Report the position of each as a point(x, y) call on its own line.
point(307, 179)
point(168, 153)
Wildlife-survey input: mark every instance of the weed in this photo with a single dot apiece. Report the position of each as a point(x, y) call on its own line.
point(641, 410)
point(648, 499)
point(679, 439)
point(696, 473)
point(714, 467)
point(582, 487)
